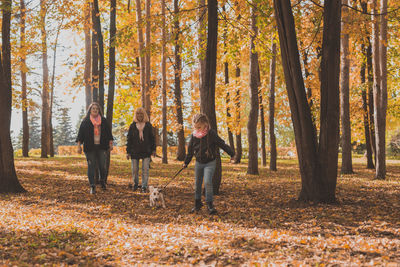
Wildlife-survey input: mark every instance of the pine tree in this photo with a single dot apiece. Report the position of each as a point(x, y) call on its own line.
point(35, 131)
point(64, 135)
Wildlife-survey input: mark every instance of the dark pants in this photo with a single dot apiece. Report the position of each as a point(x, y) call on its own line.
point(96, 159)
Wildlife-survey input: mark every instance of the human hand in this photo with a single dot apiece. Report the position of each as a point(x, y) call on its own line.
point(233, 158)
point(128, 157)
point(79, 149)
point(184, 165)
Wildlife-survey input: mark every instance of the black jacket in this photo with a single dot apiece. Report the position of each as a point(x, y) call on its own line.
point(86, 135)
point(205, 149)
point(140, 149)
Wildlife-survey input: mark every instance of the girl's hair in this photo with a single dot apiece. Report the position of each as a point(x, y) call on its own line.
point(90, 109)
point(143, 111)
point(200, 118)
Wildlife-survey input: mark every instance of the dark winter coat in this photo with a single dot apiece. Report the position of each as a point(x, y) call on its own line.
point(86, 135)
point(205, 149)
point(140, 149)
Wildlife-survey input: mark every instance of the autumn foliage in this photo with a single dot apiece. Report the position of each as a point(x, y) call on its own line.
point(59, 222)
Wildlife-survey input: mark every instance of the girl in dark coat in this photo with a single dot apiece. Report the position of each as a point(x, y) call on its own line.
point(140, 145)
point(204, 144)
point(96, 137)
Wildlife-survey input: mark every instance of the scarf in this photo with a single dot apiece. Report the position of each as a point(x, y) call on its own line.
point(140, 126)
point(96, 121)
point(201, 134)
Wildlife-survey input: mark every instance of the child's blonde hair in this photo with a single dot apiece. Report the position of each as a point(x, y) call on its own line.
point(143, 111)
point(200, 118)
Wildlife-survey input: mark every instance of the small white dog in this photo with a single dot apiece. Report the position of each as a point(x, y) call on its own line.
point(156, 197)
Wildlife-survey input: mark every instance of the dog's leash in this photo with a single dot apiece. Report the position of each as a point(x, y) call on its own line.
point(176, 174)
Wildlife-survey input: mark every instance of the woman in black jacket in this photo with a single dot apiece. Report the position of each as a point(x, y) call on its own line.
point(96, 137)
point(204, 144)
point(141, 145)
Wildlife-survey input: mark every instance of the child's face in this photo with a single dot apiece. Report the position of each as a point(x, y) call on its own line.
point(200, 126)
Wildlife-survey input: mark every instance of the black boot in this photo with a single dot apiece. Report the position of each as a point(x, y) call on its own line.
point(197, 205)
point(211, 209)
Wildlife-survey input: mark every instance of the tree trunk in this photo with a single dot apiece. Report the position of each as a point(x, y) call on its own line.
point(252, 167)
point(238, 154)
point(100, 47)
point(88, 56)
point(111, 83)
point(370, 162)
point(202, 42)
point(207, 92)
point(181, 153)
point(148, 63)
point(8, 178)
point(141, 51)
point(380, 94)
point(45, 139)
point(272, 138)
point(95, 60)
point(228, 113)
point(25, 124)
point(317, 162)
point(347, 165)
point(381, 114)
point(164, 86)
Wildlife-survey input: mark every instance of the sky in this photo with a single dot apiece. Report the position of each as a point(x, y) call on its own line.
point(70, 43)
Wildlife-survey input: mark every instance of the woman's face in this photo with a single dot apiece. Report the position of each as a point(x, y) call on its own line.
point(200, 126)
point(94, 111)
point(139, 116)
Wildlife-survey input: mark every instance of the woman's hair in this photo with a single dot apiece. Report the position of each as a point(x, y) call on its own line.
point(200, 118)
point(90, 109)
point(143, 111)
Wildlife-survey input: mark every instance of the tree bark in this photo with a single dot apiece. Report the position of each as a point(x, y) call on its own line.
point(148, 63)
point(88, 56)
point(207, 92)
point(9, 182)
point(202, 42)
point(25, 124)
point(100, 47)
point(347, 165)
point(95, 60)
point(252, 167)
point(111, 83)
point(45, 139)
point(317, 161)
point(228, 113)
point(366, 118)
point(164, 86)
point(238, 154)
point(379, 66)
point(381, 104)
point(181, 153)
point(272, 138)
point(141, 51)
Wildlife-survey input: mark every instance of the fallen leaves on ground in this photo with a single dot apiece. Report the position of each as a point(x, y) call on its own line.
point(258, 221)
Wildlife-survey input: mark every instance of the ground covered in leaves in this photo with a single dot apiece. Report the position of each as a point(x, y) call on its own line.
point(258, 223)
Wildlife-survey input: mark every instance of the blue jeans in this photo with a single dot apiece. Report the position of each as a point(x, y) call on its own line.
point(145, 171)
point(96, 159)
point(204, 171)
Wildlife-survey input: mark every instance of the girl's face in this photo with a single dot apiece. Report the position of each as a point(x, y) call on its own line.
point(200, 126)
point(139, 116)
point(94, 111)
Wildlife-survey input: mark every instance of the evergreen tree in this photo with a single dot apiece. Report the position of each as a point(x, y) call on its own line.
point(63, 133)
point(34, 131)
